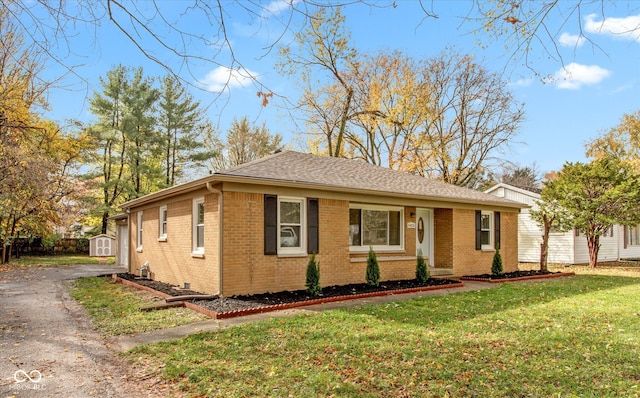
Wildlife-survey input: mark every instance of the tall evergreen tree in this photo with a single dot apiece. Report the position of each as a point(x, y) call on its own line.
point(139, 122)
point(110, 142)
point(181, 130)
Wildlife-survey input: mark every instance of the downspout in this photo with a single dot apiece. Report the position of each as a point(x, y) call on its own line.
point(128, 211)
point(211, 189)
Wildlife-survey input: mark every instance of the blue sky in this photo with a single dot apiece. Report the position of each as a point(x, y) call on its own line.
point(593, 85)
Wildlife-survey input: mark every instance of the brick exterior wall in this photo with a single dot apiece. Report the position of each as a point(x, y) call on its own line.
point(246, 270)
point(443, 238)
point(469, 261)
point(171, 261)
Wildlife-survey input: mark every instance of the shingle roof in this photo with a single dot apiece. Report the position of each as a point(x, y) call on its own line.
point(296, 167)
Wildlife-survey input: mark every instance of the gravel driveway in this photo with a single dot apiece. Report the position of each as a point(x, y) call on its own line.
point(47, 346)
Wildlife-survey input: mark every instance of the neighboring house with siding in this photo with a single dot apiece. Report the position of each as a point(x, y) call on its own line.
point(564, 247)
point(251, 229)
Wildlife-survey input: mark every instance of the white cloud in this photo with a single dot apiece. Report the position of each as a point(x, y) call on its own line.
point(569, 40)
point(524, 82)
point(625, 28)
point(222, 78)
point(276, 7)
point(574, 76)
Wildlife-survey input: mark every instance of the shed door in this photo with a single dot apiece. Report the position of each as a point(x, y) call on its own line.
point(103, 247)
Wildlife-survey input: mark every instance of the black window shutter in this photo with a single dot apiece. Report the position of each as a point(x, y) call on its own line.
point(624, 236)
point(270, 224)
point(496, 226)
point(313, 236)
point(478, 230)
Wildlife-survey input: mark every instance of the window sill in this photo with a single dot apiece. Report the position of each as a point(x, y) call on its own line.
point(139, 249)
point(284, 255)
point(162, 239)
point(382, 259)
point(363, 250)
point(488, 249)
point(197, 254)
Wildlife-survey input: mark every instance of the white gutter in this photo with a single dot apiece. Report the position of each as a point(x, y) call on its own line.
point(211, 189)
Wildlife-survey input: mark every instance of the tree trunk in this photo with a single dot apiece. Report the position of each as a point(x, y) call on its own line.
point(343, 123)
point(544, 246)
point(593, 243)
point(105, 221)
point(544, 250)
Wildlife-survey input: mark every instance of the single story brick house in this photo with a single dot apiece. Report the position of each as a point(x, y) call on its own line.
point(251, 229)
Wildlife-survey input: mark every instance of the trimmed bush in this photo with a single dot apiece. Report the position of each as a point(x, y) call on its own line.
point(373, 269)
point(313, 277)
point(496, 266)
point(422, 272)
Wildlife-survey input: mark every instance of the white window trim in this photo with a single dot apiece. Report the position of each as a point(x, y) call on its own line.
point(294, 251)
point(139, 232)
point(162, 237)
point(380, 248)
point(196, 251)
point(490, 246)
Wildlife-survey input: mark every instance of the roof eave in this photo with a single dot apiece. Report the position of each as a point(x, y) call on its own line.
point(215, 178)
point(333, 188)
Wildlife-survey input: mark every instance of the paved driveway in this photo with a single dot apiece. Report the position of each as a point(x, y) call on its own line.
point(47, 347)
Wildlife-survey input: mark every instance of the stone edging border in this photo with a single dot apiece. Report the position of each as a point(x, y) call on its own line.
point(277, 307)
point(522, 278)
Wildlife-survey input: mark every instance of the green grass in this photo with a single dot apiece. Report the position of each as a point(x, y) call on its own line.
point(115, 308)
point(579, 336)
point(57, 260)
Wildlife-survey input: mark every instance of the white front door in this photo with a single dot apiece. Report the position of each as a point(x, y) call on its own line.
point(424, 233)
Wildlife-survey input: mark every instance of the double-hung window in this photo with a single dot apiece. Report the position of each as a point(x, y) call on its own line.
point(379, 227)
point(139, 232)
point(198, 226)
point(162, 223)
point(291, 228)
point(486, 230)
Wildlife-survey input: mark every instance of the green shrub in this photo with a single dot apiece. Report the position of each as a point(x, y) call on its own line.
point(373, 269)
point(422, 272)
point(496, 266)
point(313, 277)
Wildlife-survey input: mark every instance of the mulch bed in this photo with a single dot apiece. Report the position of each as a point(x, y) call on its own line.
point(515, 276)
point(228, 307)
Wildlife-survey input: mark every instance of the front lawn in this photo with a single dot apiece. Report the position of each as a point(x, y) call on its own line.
point(578, 336)
point(58, 260)
point(115, 308)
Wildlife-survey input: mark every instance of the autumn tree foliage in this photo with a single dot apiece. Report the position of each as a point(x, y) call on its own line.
point(37, 159)
point(445, 117)
point(621, 141)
